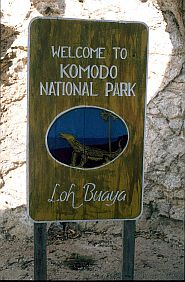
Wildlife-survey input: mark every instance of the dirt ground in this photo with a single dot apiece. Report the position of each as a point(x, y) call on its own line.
point(90, 254)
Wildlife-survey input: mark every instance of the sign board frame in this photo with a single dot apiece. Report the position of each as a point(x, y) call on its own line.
point(120, 44)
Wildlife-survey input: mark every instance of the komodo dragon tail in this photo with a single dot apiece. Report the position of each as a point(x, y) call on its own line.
point(118, 151)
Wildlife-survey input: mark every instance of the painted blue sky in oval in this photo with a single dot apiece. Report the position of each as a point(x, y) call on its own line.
point(90, 126)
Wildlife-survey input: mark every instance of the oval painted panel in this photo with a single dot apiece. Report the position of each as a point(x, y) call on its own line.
point(86, 137)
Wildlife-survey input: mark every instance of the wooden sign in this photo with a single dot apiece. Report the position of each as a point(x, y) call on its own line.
point(87, 92)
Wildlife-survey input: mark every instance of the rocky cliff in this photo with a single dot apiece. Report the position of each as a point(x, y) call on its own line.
point(164, 145)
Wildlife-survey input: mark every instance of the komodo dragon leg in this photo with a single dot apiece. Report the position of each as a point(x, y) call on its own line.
point(83, 160)
point(74, 157)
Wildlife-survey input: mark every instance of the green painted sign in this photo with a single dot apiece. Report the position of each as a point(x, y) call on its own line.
point(87, 92)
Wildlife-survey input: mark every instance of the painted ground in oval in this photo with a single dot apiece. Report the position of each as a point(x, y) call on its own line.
point(86, 137)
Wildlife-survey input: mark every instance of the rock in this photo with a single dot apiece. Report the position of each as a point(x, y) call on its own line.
point(14, 222)
point(164, 145)
point(50, 8)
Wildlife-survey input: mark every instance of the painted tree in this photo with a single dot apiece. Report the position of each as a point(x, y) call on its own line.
point(107, 116)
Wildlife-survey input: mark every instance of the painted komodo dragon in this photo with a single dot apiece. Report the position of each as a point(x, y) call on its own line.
point(88, 153)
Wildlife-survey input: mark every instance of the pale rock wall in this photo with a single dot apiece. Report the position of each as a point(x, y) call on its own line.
point(164, 146)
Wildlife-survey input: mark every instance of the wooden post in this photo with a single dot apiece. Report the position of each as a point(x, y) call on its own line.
point(129, 228)
point(40, 254)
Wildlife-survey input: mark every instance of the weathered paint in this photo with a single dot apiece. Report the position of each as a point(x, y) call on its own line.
point(115, 55)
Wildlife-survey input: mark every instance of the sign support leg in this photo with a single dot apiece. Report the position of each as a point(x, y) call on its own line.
point(129, 227)
point(40, 252)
